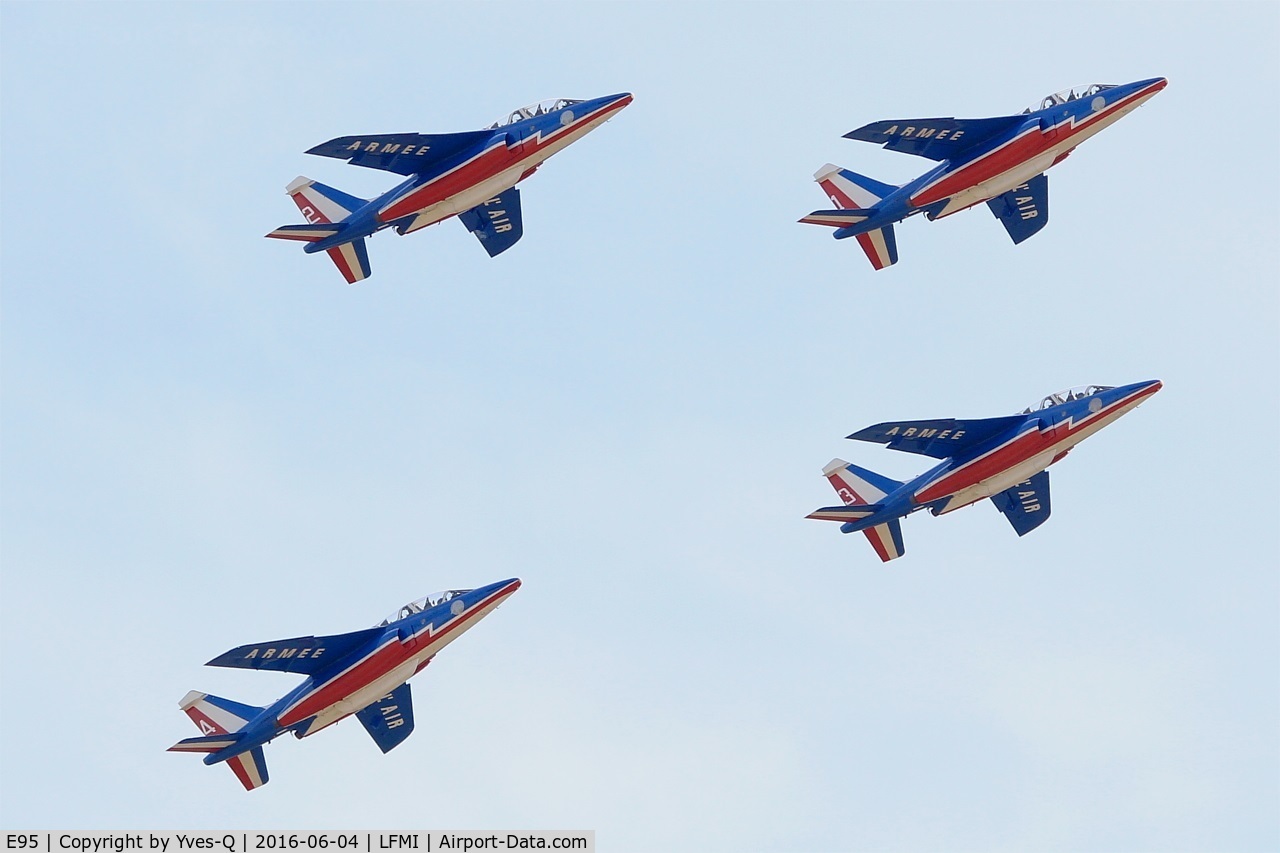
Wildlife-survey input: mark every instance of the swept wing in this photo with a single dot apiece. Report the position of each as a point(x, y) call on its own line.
point(402, 153)
point(497, 223)
point(941, 438)
point(1026, 505)
point(1023, 210)
point(304, 655)
point(389, 720)
point(934, 138)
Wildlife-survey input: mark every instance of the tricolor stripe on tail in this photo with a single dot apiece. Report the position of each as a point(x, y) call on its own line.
point(325, 209)
point(857, 197)
point(351, 259)
point(320, 202)
point(221, 720)
point(862, 490)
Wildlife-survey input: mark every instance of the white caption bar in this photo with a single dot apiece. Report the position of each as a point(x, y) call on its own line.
point(240, 841)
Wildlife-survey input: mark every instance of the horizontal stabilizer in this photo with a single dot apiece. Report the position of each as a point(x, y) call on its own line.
point(845, 513)
point(207, 743)
point(838, 218)
point(940, 438)
point(304, 655)
point(306, 233)
point(935, 138)
point(497, 223)
point(389, 720)
point(1026, 505)
point(402, 153)
point(221, 721)
point(1023, 210)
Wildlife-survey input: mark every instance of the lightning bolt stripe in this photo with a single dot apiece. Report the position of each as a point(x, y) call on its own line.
point(389, 654)
point(1029, 143)
point(499, 157)
point(1029, 442)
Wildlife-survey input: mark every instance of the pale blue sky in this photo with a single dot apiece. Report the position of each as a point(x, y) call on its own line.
point(209, 439)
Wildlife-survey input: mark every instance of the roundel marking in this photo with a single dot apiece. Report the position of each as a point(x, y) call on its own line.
point(566, 117)
point(1098, 103)
point(457, 607)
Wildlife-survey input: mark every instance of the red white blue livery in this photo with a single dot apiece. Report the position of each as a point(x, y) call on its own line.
point(1000, 161)
point(471, 175)
point(363, 673)
point(1003, 459)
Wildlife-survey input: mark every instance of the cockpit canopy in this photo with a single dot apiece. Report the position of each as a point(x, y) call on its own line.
point(1068, 95)
point(1077, 393)
point(534, 110)
point(421, 604)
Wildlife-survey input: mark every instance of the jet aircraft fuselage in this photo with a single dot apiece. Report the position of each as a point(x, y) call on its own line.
point(362, 673)
point(999, 458)
point(507, 155)
point(999, 160)
point(472, 174)
point(1008, 160)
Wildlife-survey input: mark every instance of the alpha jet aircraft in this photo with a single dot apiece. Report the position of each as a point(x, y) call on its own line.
point(363, 673)
point(471, 175)
point(997, 160)
point(999, 458)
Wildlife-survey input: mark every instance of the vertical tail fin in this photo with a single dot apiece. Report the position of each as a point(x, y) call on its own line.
point(857, 486)
point(214, 715)
point(851, 191)
point(321, 203)
point(221, 721)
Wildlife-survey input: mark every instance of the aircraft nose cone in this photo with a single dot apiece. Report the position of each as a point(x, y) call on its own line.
point(1149, 87)
point(1144, 389)
point(618, 101)
point(506, 587)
